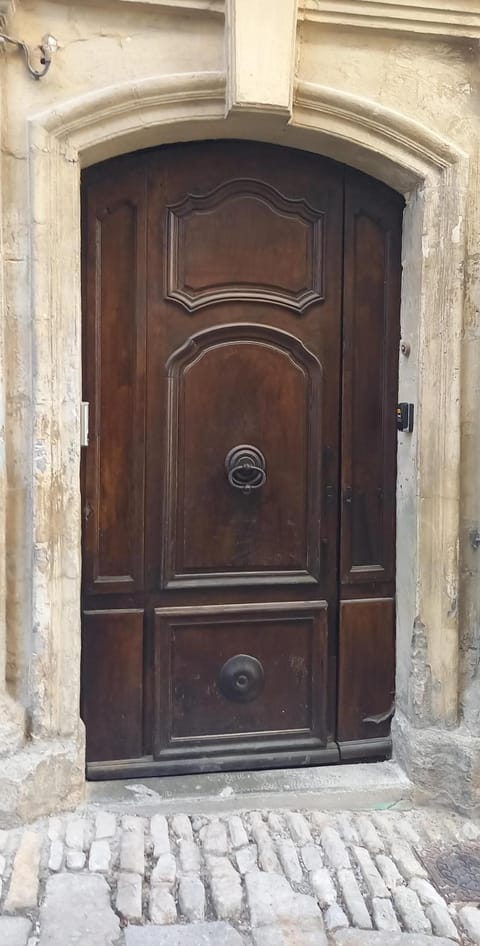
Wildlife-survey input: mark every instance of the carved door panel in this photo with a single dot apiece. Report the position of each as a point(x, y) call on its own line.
point(213, 368)
point(371, 330)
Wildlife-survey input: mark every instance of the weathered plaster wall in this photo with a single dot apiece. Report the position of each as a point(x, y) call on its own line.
point(432, 79)
point(470, 521)
point(403, 106)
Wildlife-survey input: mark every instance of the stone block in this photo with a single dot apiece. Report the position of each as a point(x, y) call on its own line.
point(189, 856)
point(425, 892)
point(246, 859)
point(161, 840)
point(470, 920)
point(334, 918)
point(105, 825)
point(132, 845)
point(323, 888)
point(310, 933)
point(272, 901)
point(182, 827)
point(191, 898)
point(76, 860)
point(410, 911)
point(442, 923)
point(129, 895)
point(162, 906)
point(289, 860)
point(55, 829)
point(238, 835)
point(299, 827)
point(406, 861)
point(198, 934)
point(312, 856)
point(100, 857)
point(267, 857)
point(369, 835)
point(76, 834)
point(23, 890)
point(372, 938)
point(214, 838)
point(55, 859)
point(384, 915)
point(226, 888)
point(14, 930)
point(164, 871)
point(375, 884)
point(354, 901)
point(335, 850)
point(389, 872)
point(77, 910)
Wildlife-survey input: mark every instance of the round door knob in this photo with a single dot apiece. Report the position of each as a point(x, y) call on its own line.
point(241, 678)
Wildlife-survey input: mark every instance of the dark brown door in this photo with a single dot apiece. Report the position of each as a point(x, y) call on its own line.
point(235, 566)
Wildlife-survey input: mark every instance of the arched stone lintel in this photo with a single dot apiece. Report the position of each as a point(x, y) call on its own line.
point(390, 146)
point(130, 116)
point(413, 148)
point(121, 114)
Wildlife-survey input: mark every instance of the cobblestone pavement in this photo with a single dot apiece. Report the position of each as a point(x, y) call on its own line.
point(252, 878)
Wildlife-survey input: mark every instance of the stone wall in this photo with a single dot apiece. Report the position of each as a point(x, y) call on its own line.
point(376, 85)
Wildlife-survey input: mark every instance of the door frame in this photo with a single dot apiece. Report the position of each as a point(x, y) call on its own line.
point(410, 158)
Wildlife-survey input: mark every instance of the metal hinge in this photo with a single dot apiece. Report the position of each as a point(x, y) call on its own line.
point(84, 411)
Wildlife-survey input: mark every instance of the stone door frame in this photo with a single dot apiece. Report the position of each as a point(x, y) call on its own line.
point(432, 174)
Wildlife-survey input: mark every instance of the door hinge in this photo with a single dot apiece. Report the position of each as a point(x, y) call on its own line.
point(84, 412)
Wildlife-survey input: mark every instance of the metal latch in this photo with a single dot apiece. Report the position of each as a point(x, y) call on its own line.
point(405, 417)
point(84, 412)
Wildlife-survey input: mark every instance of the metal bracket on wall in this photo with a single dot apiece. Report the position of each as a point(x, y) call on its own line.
point(47, 47)
point(405, 417)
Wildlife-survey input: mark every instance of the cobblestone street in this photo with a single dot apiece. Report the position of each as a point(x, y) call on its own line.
point(258, 878)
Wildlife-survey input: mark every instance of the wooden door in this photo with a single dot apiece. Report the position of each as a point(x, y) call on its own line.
point(213, 488)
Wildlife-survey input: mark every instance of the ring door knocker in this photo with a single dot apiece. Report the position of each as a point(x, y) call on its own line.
point(245, 467)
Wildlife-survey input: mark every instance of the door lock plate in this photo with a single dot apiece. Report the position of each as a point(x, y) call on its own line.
point(405, 417)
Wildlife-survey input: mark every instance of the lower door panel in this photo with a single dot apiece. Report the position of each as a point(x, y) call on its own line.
point(246, 682)
point(112, 678)
point(366, 684)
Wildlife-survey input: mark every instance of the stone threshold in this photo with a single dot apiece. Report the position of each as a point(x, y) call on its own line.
point(356, 787)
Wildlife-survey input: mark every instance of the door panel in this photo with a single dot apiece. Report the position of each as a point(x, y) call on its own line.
point(370, 366)
point(213, 364)
point(367, 672)
point(114, 378)
point(112, 691)
point(243, 384)
point(202, 242)
point(228, 675)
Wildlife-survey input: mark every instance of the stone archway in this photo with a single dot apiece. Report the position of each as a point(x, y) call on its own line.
point(401, 152)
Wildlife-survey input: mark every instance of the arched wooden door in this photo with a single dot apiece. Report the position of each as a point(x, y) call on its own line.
point(241, 328)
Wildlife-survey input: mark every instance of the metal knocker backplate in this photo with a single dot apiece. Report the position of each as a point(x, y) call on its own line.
point(245, 467)
point(241, 678)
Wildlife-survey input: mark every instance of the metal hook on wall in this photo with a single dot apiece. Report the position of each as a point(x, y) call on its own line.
point(47, 47)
